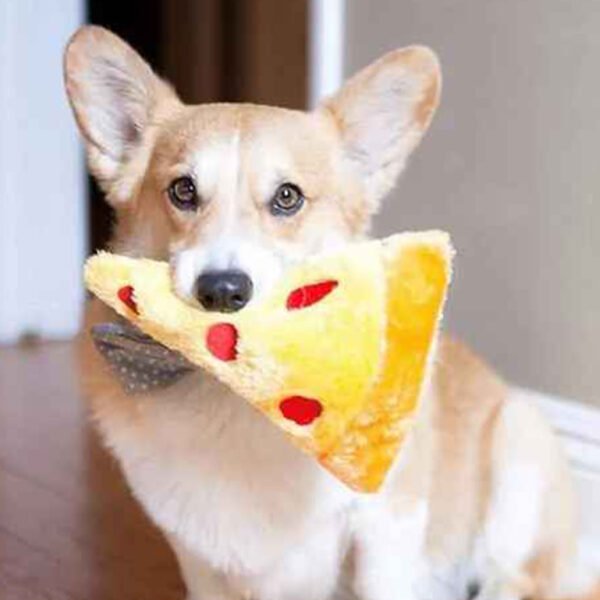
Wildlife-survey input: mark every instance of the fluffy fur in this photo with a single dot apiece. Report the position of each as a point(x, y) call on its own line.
point(479, 501)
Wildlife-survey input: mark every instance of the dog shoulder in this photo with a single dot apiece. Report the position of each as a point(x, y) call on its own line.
point(464, 386)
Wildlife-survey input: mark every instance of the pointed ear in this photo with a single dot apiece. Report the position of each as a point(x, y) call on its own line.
point(382, 113)
point(116, 98)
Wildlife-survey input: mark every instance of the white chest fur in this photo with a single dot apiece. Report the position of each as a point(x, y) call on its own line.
point(214, 473)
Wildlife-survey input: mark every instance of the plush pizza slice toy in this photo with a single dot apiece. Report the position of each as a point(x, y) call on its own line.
point(335, 355)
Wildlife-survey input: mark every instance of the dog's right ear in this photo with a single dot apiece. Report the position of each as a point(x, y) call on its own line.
point(115, 97)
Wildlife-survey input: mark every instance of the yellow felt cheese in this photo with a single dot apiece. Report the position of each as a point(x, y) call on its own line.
point(335, 355)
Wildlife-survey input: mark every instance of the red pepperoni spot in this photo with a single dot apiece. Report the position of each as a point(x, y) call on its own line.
point(125, 295)
point(221, 340)
point(301, 410)
point(310, 294)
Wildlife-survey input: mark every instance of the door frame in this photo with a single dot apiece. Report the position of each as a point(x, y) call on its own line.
point(327, 20)
point(43, 233)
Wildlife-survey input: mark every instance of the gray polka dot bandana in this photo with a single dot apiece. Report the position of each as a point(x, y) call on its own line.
point(140, 363)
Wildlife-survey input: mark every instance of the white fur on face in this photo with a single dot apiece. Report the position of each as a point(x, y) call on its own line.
point(232, 238)
point(262, 266)
point(229, 242)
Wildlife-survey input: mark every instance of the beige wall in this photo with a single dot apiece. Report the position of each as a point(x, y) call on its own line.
point(511, 167)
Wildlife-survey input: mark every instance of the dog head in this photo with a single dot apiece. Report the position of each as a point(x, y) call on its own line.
point(232, 193)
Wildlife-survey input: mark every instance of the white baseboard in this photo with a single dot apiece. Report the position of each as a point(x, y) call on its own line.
point(578, 425)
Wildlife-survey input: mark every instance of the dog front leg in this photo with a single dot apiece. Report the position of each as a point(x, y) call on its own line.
point(201, 580)
point(389, 558)
point(528, 488)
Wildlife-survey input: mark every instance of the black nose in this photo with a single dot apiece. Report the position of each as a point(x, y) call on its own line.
point(224, 291)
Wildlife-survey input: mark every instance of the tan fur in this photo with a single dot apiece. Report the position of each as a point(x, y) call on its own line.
point(469, 397)
point(418, 77)
point(345, 156)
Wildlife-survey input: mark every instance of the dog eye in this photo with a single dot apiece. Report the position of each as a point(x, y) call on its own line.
point(183, 195)
point(287, 200)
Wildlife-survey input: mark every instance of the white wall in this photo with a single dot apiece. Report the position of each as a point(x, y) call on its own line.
point(42, 191)
point(511, 168)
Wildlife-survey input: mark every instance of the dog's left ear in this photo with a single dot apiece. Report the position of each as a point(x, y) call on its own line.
point(382, 113)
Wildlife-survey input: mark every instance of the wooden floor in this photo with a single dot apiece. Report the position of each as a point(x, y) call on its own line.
point(69, 528)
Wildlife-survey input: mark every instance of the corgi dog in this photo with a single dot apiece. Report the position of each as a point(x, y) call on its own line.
point(479, 503)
